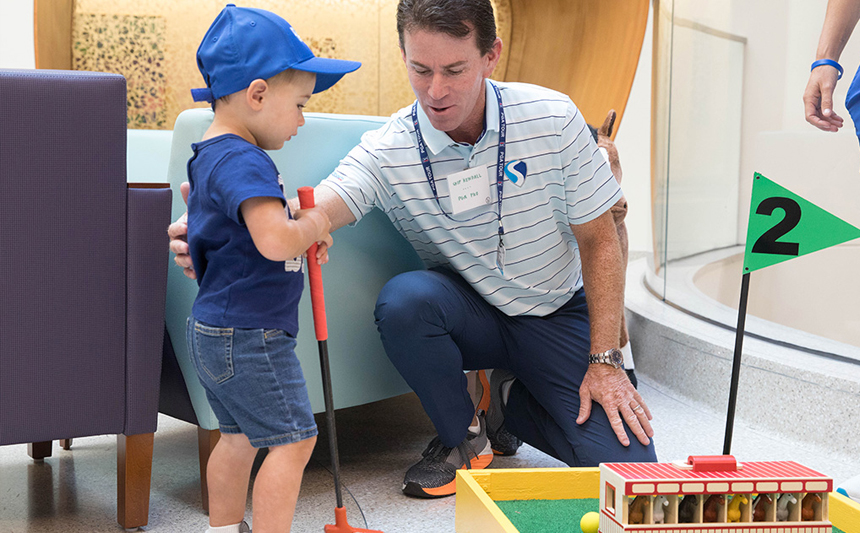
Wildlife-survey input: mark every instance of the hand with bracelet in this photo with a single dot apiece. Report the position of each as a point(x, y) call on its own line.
point(839, 23)
point(818, 97)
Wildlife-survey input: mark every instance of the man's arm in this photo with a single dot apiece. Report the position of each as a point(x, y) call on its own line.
point(603, 279)
point(839, 23)
point(330, 202)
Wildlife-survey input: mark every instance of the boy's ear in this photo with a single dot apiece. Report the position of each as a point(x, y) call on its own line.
point(255, 93)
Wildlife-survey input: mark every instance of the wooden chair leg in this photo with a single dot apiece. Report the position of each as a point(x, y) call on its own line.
point(66, 444)
point(206, 441)
point(39, 450)
point(133, 478)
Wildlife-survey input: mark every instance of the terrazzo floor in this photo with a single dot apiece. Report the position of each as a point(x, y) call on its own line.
point(75, 491)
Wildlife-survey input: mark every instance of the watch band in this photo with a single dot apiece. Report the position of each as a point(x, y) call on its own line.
point(612, 357)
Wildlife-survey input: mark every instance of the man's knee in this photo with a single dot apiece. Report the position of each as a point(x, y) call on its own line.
point(406, 297)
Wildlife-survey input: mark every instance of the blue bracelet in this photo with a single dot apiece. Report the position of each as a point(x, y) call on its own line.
point(830, 62)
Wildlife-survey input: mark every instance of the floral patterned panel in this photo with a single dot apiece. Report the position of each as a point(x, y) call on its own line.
point(134, 47)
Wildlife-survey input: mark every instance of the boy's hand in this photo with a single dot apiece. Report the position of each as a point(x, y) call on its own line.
point(322, 225)
point(322, 250)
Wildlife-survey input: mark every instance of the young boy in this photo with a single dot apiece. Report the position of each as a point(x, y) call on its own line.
point(246, 247)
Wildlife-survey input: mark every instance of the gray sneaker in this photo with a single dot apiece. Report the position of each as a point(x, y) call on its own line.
point(502, 441)
point(434, 475)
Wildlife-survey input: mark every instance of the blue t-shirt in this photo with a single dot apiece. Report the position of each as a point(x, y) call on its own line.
point(238, 286)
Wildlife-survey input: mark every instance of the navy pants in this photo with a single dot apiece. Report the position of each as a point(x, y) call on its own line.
point(434, 326)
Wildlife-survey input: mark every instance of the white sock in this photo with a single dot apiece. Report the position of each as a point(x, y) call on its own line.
point(233, 528)
point(627, 351)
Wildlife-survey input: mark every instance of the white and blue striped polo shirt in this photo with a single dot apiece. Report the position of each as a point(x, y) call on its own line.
point(568, 182)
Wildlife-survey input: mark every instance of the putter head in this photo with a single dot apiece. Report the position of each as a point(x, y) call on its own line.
point(342, 526)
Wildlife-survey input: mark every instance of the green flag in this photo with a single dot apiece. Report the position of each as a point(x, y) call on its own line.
point(783, 226)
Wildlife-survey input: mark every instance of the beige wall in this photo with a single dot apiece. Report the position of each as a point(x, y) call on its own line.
point(816, 293)
point(16, 34)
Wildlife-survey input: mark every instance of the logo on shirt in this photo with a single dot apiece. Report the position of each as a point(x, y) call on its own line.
point(516, 172)
point(294, 265)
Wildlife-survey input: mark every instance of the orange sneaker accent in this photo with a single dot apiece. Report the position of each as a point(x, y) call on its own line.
point(478, 463)
point(484, 403)
point(445, 490)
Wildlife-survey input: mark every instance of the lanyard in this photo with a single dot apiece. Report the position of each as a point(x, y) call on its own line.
point(500, 172)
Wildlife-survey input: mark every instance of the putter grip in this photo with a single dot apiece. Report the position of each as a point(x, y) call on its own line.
point(306, 201)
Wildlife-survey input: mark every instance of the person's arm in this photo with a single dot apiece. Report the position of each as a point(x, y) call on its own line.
point(839, 23)
point(325, 198)
point(330, 202)
point(603, 280)
point(279, 238)
point(358, 178)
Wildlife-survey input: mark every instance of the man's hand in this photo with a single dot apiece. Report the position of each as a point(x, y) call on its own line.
point(178, 233)
point(818, 99)
point(611, 388)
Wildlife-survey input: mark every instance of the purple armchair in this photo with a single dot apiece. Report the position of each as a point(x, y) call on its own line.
point(83, 269)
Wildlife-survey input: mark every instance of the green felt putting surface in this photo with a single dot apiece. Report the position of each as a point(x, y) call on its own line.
point(553, 516)
point(548, 516)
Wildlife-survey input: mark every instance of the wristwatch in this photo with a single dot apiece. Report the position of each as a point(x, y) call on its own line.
point(612, 357)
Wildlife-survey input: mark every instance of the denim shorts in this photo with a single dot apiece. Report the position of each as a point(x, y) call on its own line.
point(253, 381)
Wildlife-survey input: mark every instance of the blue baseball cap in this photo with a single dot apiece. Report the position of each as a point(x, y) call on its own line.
point(244, 44)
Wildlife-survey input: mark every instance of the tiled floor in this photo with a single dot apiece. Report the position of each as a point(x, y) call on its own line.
point(75, 491)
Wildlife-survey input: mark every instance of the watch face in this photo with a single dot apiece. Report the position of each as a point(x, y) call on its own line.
point(617, 358)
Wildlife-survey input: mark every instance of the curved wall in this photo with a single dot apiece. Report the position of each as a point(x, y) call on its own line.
point(816, 293)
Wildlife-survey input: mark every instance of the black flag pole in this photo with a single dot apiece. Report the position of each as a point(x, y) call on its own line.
point(736, 364)
point(804, 228)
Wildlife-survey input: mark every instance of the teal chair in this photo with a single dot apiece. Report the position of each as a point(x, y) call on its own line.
point(362, 260)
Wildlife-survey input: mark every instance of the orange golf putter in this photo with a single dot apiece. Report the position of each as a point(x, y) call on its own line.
point(306, 201)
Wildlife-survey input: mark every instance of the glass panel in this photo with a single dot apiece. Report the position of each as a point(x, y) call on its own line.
point(661, 84)
point(727, 81)
point(704, 159)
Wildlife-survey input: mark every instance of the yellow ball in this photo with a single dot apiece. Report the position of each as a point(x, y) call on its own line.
point(589, 522)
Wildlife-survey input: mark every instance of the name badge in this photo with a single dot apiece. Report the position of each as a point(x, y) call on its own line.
point(469, 189)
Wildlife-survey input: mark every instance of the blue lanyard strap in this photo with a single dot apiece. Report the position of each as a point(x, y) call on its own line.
point(500, 170)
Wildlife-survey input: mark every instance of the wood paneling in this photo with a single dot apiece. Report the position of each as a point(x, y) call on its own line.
point(587, 49)
point(52, 31)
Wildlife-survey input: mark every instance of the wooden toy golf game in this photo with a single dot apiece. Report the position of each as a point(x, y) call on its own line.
point(714, 494)
point(483, 494)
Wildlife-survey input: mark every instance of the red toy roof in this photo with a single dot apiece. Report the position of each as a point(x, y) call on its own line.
point(752, 471)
